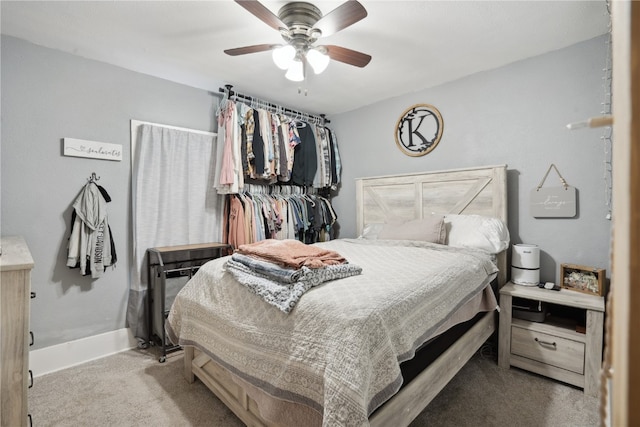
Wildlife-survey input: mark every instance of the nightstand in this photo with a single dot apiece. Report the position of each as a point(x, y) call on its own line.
point(567, 346)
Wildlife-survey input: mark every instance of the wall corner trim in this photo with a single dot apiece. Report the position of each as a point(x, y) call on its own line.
point(61, 356)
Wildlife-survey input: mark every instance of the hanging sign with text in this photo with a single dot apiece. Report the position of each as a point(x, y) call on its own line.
point(553, 202)
point(92, 149)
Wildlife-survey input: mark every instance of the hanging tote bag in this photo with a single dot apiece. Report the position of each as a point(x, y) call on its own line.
point(553, 202)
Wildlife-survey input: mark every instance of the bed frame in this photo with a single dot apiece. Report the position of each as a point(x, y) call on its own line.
point(481, 190)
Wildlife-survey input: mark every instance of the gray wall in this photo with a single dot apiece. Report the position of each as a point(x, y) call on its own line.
point(46, 96)
point(514, 115)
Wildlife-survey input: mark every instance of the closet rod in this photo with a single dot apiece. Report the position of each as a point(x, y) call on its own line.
point(274, 108)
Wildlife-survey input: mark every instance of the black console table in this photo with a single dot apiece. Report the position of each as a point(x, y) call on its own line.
point(170, 267)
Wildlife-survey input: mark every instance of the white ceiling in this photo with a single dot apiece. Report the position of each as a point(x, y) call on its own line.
point(414, 44)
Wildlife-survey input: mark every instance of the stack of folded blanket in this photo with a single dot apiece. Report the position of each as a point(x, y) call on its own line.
point(281, 271)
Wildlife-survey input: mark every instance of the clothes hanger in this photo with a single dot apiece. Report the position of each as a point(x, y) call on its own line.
point(223, 103)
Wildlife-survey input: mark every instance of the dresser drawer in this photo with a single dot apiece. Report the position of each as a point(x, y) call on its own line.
point(548, 349)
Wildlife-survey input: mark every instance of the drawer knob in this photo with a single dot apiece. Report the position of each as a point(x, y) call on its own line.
point(546, 343)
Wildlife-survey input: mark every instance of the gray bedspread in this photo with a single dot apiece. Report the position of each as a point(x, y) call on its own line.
point(339, 350)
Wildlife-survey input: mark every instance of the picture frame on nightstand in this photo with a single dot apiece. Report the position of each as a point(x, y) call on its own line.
point(589, 280)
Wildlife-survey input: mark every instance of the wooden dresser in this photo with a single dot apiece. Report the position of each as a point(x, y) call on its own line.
point(15, 292)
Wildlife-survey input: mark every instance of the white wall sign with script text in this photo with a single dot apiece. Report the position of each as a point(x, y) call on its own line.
point(553, 202)
point(92, 149)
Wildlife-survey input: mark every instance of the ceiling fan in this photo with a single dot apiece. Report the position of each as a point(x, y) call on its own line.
point(301, 24)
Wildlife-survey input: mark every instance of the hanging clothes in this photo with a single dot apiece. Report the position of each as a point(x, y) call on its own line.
point(228, 177)
point(261, 146)
point(90, 245)
point(322, 177)
point(235, 222)
point(225, 120)
point(258, 151)
point(305, 161)
point(336, 166)
point(251, 217)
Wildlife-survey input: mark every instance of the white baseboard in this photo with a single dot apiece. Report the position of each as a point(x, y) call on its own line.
point(61, 356)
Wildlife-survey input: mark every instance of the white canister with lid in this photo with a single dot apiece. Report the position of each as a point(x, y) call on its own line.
point(525, 264)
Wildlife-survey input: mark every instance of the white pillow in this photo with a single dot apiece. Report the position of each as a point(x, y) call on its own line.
point(371, 231)
point(477, 231)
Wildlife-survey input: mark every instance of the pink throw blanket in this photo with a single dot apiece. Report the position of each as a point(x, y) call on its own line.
point(291, 253)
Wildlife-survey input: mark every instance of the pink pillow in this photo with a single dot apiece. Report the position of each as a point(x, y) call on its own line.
point(429, 229)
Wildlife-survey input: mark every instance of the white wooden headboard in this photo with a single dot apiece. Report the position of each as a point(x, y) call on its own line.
point(479, 190)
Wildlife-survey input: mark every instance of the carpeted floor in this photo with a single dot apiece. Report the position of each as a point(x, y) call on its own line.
point(133, 389)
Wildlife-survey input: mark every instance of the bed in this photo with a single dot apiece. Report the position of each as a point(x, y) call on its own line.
point(322, 364)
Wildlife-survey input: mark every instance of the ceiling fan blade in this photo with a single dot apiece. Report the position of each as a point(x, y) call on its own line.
point(258, 10)
point(341, 17)
point(250, 49)
point(348, 56)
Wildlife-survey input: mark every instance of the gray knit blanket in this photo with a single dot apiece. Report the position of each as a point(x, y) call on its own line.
point(280, 286)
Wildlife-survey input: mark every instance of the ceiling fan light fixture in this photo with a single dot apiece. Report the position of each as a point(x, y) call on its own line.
point(296, 71)
point(301, 24)
point(283, 56)
point(318, 60)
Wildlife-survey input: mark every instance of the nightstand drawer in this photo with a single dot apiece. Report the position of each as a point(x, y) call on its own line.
point(549, 349)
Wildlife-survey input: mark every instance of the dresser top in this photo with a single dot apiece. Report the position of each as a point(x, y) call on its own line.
point(562, 297)
point(15, 254)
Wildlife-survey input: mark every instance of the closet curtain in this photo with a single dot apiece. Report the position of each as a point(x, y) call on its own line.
point(173, 202)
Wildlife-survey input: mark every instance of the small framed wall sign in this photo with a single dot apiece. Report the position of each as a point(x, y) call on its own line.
point(92, 149)
point(419, 130)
